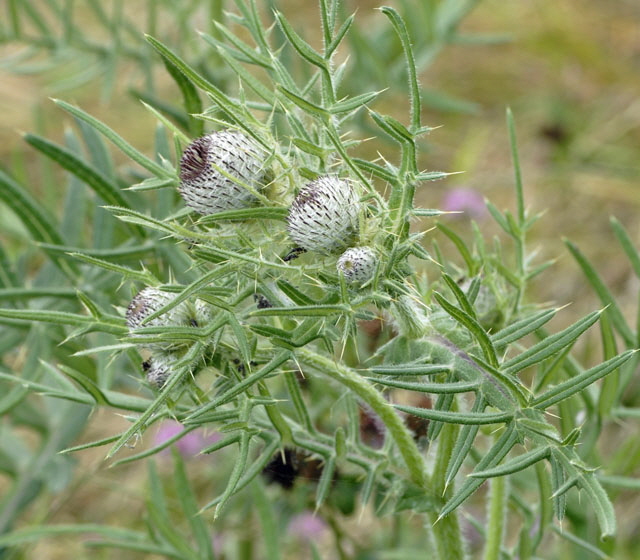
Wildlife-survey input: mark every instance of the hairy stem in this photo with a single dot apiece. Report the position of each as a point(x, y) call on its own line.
point(394, 424)
point(496, 521)
point(446, 530)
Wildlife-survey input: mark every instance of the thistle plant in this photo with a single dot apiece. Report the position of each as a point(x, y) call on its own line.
point(268, 281)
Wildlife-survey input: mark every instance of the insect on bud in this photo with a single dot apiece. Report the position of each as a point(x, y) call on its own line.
point(324, 216)
point(216, 169)
point(357, 264)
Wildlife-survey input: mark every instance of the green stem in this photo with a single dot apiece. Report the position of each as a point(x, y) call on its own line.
point(397, 430)
point(446, 530)
point(496, 521)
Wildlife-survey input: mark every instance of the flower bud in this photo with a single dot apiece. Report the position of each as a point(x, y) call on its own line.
point(159, 370)
point(357, 264)
point(148, 301)
point(324, 216)
point(216, 169)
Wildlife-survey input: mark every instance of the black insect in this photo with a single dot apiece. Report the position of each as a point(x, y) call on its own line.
point(294, 254)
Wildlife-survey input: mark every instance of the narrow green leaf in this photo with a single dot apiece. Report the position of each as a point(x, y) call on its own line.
point(457, 417)
point(248, 78)
point(578, 383)
point(606, 297)
point(326, 478)
point(435, 388)
point(32, 534)
point(303, 48)
point(117, 140)
point(304, 104)
point(142, 276)
point(575, 540)
point(184, 491)
point(609, 390)
point(522, 328)
point(240, 387)
point(627, 245)
point(259, 213)
point(190, 97)
point(353, 103)
point(265, 508)
point(392, 127)
point(414, 88)
point(601, 504)
point(64, 318)
point(239, 466)
point(514, 465)
point(464, 443)
point(465, 305)
point(34, 217)
point(103, 187)
point(557, 481)
point(490, 459)
point(461, 246)
point(301, 311)
point(253, 470)
point(243, 51)
point(550, 345)
point(516, 168)
point(409, 369)
point(339, 36)
point(472, 325)
point(182, 368)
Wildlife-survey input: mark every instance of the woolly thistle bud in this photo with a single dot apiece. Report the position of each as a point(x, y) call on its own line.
point(147, 302)
point(215, 171)
point(357, 264)
point(159, 369)
point(324, 216)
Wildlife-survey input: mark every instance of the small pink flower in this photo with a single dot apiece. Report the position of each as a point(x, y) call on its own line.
point(464, 200)
point(191, 443)
point(307, 526)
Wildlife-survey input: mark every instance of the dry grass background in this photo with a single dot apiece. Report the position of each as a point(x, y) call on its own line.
point(570, 72)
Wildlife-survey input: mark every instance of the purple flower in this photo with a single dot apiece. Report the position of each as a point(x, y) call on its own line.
point(464, 200)
point(188, 445)
point(307, 527)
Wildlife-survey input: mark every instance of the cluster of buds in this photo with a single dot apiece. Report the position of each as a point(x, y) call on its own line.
point(139, 314)
point(222, 171)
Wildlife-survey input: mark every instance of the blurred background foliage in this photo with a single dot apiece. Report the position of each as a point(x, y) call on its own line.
point(569, 70)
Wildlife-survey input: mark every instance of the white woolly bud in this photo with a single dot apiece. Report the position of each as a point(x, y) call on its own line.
point(159, 370)
point(147, 302)
point(324, 216)
point(357, 264)
point(203, 312)
point(216, 169)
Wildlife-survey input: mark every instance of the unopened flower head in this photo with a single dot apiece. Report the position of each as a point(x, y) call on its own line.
point(147, 302)
point(357, 264)
point(159, 370)
point(216, 169)
point(324, 216)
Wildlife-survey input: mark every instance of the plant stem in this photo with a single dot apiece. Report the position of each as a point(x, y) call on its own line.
point(446, 531)
point(495, 523)
point(397, 430)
